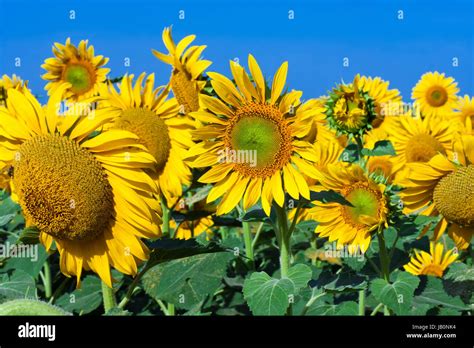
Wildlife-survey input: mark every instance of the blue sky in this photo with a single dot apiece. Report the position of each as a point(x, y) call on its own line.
point(315, 42)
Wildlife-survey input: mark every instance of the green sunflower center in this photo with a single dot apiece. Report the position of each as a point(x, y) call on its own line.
point(436, 96)
point(422, 147)
point(366, 206)
point(63, 190)
point(257, 135)
point(151, 130)
point(259, 140)
point(454, 196)
point(80, 77)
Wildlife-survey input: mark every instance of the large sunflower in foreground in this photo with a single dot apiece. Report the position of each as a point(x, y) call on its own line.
point(7, 82)
point(418, 140)
point(350, 224)
point(433, 263)
point(88, 193)
point(252, 140)
point(435, 94)
point(444, 187)
point(187, 69)
point(145, 111)
point(387, 102)
point(78, 66)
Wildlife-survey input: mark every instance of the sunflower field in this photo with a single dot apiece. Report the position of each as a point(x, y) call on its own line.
point(232, 194)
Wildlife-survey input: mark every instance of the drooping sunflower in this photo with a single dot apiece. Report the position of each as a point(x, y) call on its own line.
point(418, 140)
point(252, 140)
point(350, 224)
point(350, 109)
point(380, 165)
point(433, 263)
point(187, 69)
point(7, 82)
point(444, 187)
point(435, 94)
point(146, 112)
point(387, 101)
point(85, 191)
point(464, 112)
point(79, 67)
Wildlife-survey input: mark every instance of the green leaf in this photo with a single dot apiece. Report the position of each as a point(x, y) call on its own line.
point(32, 266)
point(350, 154)
point(83, 300)
point(266, 295)
point(397, 296)
point(300, 275)
point(343, 281)
point(117, 312)
point(30, 307)
point(434, 294)
point(460, 272)
point(329, 197)
point(381, 148)
point(167, 249)
point(18, 284)
point(255, 213)
point(5, 219)
point(187, 281)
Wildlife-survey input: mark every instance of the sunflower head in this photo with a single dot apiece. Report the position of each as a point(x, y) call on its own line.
point(186, 76)
point(350, 109)
point(464, 113)
point(252, 139)
point(77, 66)
point(365, 210)
point(435, 94)
point(83, 186)
point(433, 263)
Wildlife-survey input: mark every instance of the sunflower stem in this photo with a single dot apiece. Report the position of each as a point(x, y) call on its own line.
point(171, 309)
point(376, 309)
point(384, 257)
point(283, 239)
point(248, 244)
point(108, 297)
point(361, 302)
point(47, 280)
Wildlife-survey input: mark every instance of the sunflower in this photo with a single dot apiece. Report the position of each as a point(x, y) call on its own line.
point(353, 223)
point(187, 69)
point(444, 187)
point(192, 228)
point(386, 101)
point(350, 109)
point(418, 140)
point(79, 67)
point(464, 112)
point(7, 82)
point(145, 112)
point(252, 140)
point(380, 165)
point(433, 263)
point(435, 95)
point(85, 191)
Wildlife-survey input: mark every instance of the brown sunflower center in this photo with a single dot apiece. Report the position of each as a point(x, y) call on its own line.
point(434, 270)
point(80, 75)
point(185, 90)
point(436, 96)
point(422, 147)
point(62, 188)
point(454, 196)
point(151, 130)
point(259, 139)
point(367, 205)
